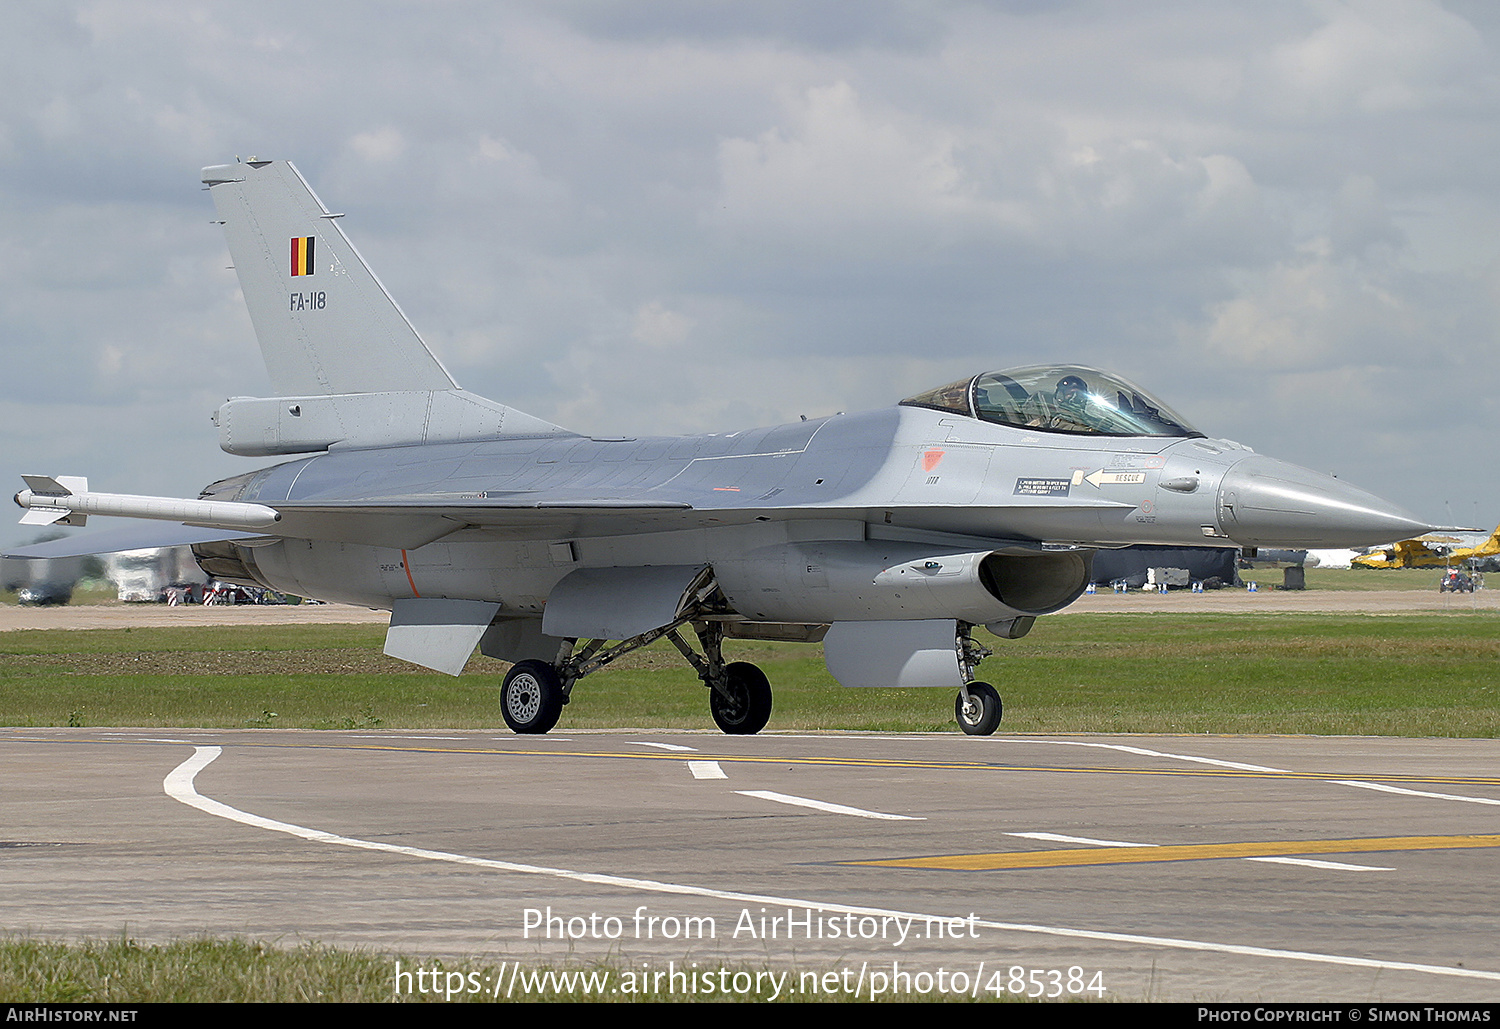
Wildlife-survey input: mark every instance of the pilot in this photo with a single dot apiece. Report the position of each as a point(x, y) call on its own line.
point(1066, 408)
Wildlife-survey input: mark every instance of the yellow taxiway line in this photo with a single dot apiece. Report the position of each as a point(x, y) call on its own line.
point(1184, 852)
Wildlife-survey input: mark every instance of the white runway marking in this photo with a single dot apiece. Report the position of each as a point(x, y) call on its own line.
point(1415, 793)
point(1259, 768)
point(1143, 752)
point(660, 746)
point(1060, 838)
point(821, 805)
point(706, 770)
point(179, 786)
point(1337, 866)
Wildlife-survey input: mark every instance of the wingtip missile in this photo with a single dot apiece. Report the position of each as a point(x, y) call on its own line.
point(66, 500)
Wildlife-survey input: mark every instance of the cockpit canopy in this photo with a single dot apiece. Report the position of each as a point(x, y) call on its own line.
point(1058, 398)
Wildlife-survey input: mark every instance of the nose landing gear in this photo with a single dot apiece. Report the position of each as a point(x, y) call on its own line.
point(977, 707)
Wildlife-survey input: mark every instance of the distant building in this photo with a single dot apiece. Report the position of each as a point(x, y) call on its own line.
point(142, 576)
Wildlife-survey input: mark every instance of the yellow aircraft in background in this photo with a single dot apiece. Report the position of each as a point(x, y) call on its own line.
point(1431, 551)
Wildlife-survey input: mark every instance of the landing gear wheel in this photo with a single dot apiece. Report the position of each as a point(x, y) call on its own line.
point(747, 707)
point(531, 697)
point(981, 715)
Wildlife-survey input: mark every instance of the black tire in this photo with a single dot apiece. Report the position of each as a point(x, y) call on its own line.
point(747, 708)
point(531, 699)
point(981, 716)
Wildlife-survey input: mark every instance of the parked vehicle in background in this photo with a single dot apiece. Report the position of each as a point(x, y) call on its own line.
point(1456, 581)
point(45, 582)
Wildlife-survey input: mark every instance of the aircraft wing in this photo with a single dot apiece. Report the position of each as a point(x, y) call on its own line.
point(411, 522)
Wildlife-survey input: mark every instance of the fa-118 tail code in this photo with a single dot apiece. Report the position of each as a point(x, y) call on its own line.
point(347, 366)
point(325, 323)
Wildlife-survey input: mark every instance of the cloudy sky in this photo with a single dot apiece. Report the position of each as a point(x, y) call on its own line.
point(674, 216)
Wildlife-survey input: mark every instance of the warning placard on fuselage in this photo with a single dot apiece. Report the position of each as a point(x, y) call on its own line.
point(1042, 487)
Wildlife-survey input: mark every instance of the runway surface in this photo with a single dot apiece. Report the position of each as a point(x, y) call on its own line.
point(1164, 868)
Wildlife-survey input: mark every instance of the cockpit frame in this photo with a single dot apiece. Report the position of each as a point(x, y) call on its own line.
point(1070, 399)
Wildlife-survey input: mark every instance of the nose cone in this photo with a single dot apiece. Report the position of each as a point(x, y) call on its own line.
point(1265, 502)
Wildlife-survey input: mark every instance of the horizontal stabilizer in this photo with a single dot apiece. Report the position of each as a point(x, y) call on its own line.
point(128, 537)
point(267, 426)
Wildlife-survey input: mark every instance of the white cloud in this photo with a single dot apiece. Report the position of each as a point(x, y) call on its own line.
point(1314, 311)
point(650, 217)
point(382, 144)
point(657, 326)
point(1374, 57)
point(838, 164)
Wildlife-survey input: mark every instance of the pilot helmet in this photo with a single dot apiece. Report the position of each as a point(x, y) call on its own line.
point(1069, 386)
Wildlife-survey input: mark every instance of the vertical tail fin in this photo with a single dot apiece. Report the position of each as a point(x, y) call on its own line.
point(348, 368)
point(325, 323)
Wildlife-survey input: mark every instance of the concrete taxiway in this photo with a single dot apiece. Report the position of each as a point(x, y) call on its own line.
point(1168, 867)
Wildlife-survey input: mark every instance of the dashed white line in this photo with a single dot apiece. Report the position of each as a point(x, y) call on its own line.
point(706, 770)
point(1414, 793)
point(1060, 838)
point(823, 805)
point(1337, 866)
point(1240, 766)
point(1143, 752)
point(660, 746)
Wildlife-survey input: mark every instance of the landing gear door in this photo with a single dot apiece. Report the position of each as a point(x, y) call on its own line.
point(916, 653)
point(619, 603)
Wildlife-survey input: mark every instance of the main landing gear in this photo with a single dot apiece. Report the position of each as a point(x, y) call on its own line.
point(533, 693)
point(531, 697)
point(741, 706)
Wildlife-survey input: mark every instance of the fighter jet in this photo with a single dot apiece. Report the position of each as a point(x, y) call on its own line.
point(889, 536)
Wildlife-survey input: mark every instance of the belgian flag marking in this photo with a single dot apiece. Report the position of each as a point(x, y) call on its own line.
point(302, 255)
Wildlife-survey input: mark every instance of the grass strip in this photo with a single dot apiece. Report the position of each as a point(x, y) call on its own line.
point(1343, 674)
point(242, 971)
